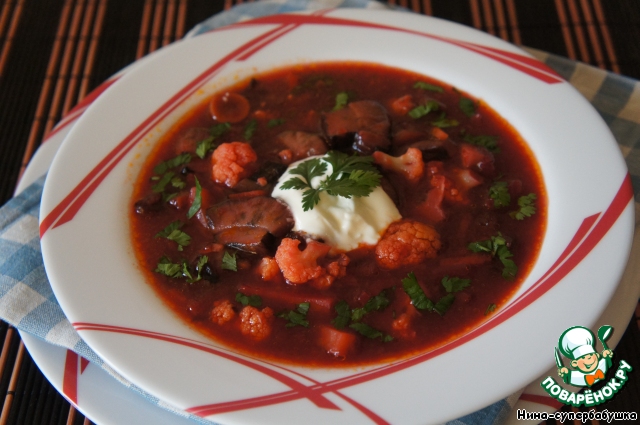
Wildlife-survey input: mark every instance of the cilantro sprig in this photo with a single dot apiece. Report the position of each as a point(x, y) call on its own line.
point(488, 142)
point(497, 247)
point(527, 208)
point(351, 176)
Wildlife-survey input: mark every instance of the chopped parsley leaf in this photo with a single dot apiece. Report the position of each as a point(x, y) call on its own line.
point(499, 192)
point(167, 268)
point(165, 166)
point(527, 209)
point(252, 300)
point(444, 122)
point(497, 247)
point(204, 147)
point(197, 201)
point(455, 284)
point(229, 262)
point(426, 86)
point(488, 142)
point(173, 233)
point(219, 129)
point(443, 304)
point(275, 122)
point(178, 183)
point(297, 317)
point(250, 129)
point(352, 176)
point(162, 183)
point(342, 99)
point(490, 309)
point(344, 314)
point(369, 332)
point(422, 110)
point(418, 297)
point(375, 303)
point(467, 106)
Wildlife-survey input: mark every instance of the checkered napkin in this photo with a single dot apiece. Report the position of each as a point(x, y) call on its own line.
point(27, 301)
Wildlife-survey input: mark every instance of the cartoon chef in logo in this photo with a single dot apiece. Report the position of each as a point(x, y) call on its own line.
point(578, 344)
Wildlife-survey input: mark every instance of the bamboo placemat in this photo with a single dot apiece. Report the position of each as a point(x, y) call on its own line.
point(52, 53)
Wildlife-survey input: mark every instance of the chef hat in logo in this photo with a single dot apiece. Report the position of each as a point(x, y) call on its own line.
point(576, 342)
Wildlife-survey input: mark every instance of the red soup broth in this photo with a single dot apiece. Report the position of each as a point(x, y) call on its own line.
point(480, 191)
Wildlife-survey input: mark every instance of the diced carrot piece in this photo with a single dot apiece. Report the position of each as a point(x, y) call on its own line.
point(403, 105)
point(439, 133)
point(335, 342)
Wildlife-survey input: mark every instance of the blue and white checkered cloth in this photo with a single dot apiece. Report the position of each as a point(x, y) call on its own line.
point(27, 301)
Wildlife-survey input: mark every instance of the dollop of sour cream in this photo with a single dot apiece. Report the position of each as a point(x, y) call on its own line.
point(342, 223)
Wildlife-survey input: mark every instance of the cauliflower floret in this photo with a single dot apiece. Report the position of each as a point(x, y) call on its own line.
point(268, 268)
point(300, 266)
point(222, 312)
point(407, 242)
point(232, 162)
point(256, 323)
point(409, 165)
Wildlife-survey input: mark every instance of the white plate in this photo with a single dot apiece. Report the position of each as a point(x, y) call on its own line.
point(107, 402)
point(118, 315)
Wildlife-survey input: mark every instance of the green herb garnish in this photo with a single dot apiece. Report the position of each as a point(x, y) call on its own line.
point(297, 317)
point(527, 209)
point(167, 268)
point(275, 122)
point(162, 182)
point(229, 262)
point(418, 297)
point(369, 332)
point(252, 300)
point(488, 142)
point(443, 304)
point(490, 309)
point(165, 166)
point(422, 110)
point(444, 122)
point(173, 233)
point(497, 247)
point(342, 99)
point(344, 315)
point(455, 284)
point(351, 176)
point(250, 129)
point(426, 86)
point(197, 201)
point(467, 106)
point(375, 303)
point(499, 192)
point(205, 146)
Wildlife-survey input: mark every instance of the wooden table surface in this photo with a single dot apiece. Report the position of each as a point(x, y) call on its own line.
point(52, 53)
